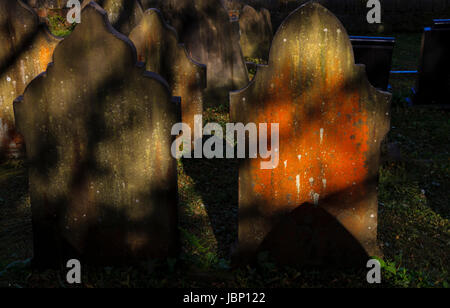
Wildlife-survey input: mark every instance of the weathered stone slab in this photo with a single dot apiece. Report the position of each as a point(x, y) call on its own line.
point(205, 29)
point(433, 83)
point(320, 201)
point(103, 183)
point(376, 54)
point(256, 32)
point(124, 15)
point(157, 46)
point(27, 48)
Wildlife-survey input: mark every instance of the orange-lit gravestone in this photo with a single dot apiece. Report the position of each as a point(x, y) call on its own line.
point(157, 46)
point(103, 182)
point(319, 205)
point(26, 49)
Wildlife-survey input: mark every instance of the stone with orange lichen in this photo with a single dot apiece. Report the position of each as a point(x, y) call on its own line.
point(103, 183)
point(332, 123)
point(157, 46)
point(27, 49)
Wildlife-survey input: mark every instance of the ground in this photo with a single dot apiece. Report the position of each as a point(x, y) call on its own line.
point(414, 228)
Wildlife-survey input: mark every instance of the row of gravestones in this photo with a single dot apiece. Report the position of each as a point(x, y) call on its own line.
point(432, 86)
point(103, 183)
point(29, 48)
point(255, 32)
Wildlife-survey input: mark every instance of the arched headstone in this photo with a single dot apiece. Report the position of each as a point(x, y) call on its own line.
point(123, 15)
point(103, 182)
point(205, 29)
point(27, 49)
point(320, 200)
point(157, 46)
point(256, 32)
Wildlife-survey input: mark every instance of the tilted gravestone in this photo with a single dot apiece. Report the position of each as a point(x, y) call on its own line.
point(256, 32)
point(27, 48)
point(433, 83)
point(376, 54)
point(157, 46)
point(103, 182)
point(318, 205)
point(124, 15)
point(205, 29)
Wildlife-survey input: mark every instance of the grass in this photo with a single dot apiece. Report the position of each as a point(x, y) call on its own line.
point(414, 228)
point(59, 26)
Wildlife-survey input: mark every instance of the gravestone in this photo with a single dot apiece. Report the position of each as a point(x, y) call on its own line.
point(256, 32)
point(205, 29)
point(103, 182)
point(318, 205)
point(433, 83)
point(124, 15)
point(376, 54)
point(233, 5)
point(27, 48)
point(157, 46)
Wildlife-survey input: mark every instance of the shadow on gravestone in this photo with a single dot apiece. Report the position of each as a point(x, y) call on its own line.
point(123, 15)
point(157, 46)
point(103, 183)
point(27, 49)
point(256, 32)
point(332, 123)
point(205, 29)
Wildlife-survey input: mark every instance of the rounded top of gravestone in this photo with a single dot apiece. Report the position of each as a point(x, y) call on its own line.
point(311, 33)
point(154, 17)
point(93, 31)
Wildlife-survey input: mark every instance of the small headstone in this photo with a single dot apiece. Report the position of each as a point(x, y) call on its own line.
point(320, 198)
point(103, 182)
point(157, 46)
point(27, 49)
point(124, 15)
point(205, 29)
point(376, 54)
point(256, 32)
point(433, 84)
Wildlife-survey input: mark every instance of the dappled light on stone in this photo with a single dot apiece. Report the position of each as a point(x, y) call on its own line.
point(332, 122)
point(157, 46)
point(26, 50)
point(103, 183)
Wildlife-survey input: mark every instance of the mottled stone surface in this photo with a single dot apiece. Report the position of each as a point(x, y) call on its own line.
point(232, 5)
point(124, 15)
point(376, 54)
point(321, 200)
point(53, 4)
point(148, 4)
point(205, 29)
point(256, 32)
point(103, 183)
point(26, 50)
point(157, 46)
point(433, 83)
